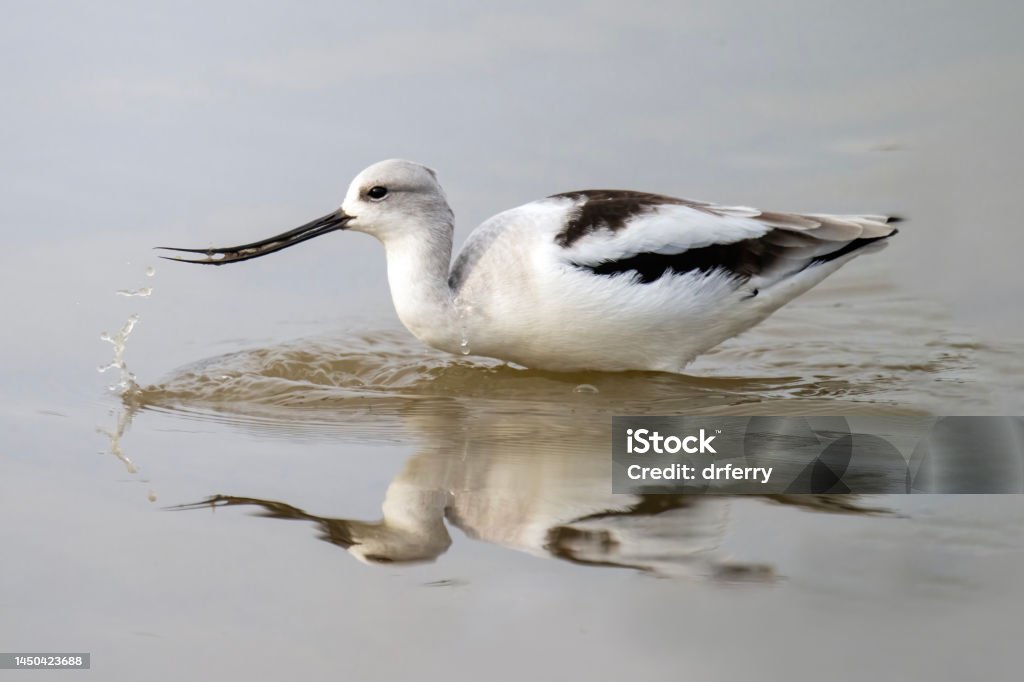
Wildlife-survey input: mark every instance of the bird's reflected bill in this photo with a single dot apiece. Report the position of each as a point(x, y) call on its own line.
point(235, 254)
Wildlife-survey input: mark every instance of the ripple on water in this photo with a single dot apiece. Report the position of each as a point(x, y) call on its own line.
point(888, 354)
point(783, 367)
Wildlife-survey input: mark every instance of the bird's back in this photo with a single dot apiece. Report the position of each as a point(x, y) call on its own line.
point(613, 279)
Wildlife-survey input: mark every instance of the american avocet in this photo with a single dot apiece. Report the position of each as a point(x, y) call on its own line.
point(588, 280)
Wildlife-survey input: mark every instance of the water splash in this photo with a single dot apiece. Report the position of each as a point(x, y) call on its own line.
point(126, 381)
point(585, 388)
point(126, 386)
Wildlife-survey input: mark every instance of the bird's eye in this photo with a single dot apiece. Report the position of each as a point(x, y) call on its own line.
point(377, 192)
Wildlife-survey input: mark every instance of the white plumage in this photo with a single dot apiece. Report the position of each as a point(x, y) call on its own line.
point(591, 280)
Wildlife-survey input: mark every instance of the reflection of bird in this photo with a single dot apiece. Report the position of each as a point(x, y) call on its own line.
point(663, 534)
point(375, 542)
point(552, 505)
point(596, 279)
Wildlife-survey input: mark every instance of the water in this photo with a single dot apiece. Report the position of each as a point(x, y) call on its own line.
point(126, 380)
point(449, 515)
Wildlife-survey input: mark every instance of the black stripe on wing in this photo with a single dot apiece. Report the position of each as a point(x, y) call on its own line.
point(611, 209)
point(778, 250)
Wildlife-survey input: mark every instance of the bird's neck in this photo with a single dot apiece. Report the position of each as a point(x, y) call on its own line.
point(418, 276)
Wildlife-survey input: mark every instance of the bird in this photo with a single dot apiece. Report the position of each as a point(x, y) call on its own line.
point(587, 280)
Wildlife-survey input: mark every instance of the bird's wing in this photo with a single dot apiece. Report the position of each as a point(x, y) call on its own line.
point(615, 231)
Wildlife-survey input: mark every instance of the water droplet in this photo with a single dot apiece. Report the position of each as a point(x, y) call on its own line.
point(144, 291)
point(462, 312)
point(585, 388)
point(150, 271)
point(151, 496)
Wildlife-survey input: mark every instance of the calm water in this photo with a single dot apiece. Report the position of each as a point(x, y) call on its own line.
point(300, 488)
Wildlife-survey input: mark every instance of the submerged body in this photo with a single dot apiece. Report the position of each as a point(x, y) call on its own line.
point(607, 280)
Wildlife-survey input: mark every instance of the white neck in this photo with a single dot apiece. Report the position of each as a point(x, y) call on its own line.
point(418, 263)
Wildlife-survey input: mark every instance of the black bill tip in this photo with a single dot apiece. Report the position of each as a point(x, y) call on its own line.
point(235, 254)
